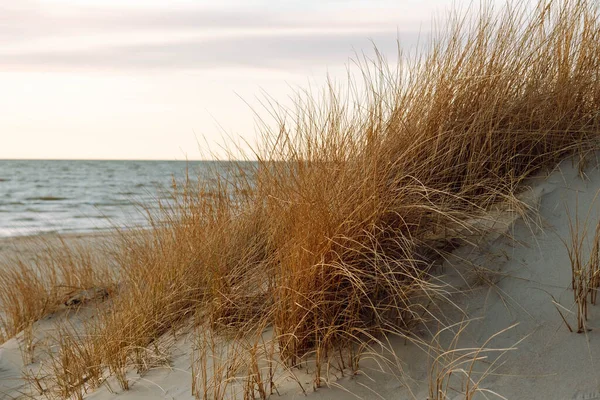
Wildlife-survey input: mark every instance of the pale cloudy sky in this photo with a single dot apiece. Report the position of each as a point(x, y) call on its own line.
point(149, 79)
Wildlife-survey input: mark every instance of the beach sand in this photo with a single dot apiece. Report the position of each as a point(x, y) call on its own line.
point(510, 294)
point(27, 245)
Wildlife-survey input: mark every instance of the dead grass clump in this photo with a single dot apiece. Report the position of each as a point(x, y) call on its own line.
point(368, 178)
point(242, 366)
point(201, 254)
point(43, 276)
point(67, 368)
point(585, 272)
point(215, 365)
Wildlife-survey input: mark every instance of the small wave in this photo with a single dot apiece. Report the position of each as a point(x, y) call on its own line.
point(4, 179)
point(25, 219)
point(111, 203)
point(46, 198)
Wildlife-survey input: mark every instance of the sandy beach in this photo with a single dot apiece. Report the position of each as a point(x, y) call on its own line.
point(27, 244)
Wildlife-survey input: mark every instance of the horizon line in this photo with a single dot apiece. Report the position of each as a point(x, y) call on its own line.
point(121, 159)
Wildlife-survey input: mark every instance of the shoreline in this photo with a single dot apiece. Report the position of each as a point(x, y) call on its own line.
point(11, 246)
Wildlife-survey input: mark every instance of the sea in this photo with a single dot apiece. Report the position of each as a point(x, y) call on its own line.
point(70, 196)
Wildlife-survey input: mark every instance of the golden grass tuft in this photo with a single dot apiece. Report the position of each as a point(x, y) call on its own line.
point(585, 274)
point(330, 237)
point(44, 275)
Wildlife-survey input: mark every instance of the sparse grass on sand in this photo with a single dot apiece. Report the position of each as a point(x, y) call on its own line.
point(49, 275)
point(330, 238)
point(585, 273)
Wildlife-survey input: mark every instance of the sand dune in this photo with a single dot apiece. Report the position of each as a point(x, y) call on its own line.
point(506, 294)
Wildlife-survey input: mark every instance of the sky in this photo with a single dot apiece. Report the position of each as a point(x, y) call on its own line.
point(174, 79)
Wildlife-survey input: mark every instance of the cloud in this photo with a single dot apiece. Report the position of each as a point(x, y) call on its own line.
point(270, 51)
point(27, 19)
point(191, 36)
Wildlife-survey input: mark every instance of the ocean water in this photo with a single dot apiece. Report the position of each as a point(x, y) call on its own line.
point(45, 196)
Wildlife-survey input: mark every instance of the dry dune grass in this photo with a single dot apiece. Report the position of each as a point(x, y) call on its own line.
point(47, 277)
point(331, 237)
point(585, 274)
